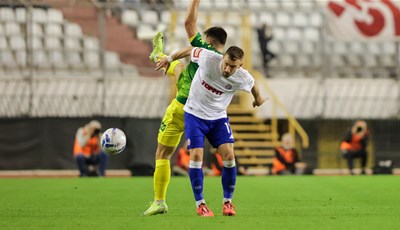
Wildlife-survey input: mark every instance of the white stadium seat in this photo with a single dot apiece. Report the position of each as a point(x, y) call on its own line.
point(20, 14)
point(40, 59)
point(315, 19)
point(282, 19)
point(17, 43)
point(253, 5)
point(7, 14)
point(39, 15)
point(221, 4)
point(91, 43)
point(53, 29)
point(300, 19)
point(266, 18)
point(52, 43)
point(56, 58)
point(290, 5)
point(7, 59)
point(35, 29)
point(279, 34)
point(305, 5)
point(91, 59)
point(130, 18)
point(21, 58)
point(74, 59)
point(72, 30)
point(308, 47)
point(291, 47)
point(286, 60)
point(311, 34)
point(145, 32)
point(35, 43)
point(294, 34)
point(12, 28)
point(111, 60)
point(54, 16)
point(339, 48)
point(71, 43)
point(271, 4)
point(3, 43)
point(149, 17)
point(165, 16)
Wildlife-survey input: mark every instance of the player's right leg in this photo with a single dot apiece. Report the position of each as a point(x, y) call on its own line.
point(195, 129)
point(169, 136)
point(175, 67)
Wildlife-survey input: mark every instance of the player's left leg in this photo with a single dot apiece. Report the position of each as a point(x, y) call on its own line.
point(221, 136)
point(195, 129)
point(158, 53)
point(228, 178)
point(169, 136)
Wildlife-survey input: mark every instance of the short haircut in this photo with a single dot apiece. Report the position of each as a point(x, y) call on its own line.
point(235, 53)
point(217, 33)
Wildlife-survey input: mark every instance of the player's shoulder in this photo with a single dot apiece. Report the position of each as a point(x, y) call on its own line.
point(206, 53)
point(244, 76)
point(243, 73)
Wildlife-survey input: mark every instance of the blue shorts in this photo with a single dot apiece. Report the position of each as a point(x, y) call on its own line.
point(218, 132)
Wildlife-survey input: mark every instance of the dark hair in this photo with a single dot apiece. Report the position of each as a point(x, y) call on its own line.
point(217, 33)
point(235, 53)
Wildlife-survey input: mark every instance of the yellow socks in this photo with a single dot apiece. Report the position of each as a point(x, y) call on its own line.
point(162, 176)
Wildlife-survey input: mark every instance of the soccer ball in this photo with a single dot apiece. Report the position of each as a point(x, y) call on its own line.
point(113, 141)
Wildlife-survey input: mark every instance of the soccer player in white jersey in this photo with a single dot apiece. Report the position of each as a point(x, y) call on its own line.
point(216, 81)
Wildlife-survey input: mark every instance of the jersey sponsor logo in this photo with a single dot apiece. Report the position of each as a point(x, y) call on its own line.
point(228, 86)
point(210, 88)
point(196, 52)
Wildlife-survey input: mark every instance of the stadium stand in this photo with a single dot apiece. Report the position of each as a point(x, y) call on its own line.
point(57, 46)
point(314, 75)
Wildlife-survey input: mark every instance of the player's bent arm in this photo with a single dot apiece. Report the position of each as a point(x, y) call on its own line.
point(258, 99)
point(164, 62)
point(191, 19)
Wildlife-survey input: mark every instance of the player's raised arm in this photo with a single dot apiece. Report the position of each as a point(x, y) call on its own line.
point(182, 53)
point(191, 19)
point(258, 99)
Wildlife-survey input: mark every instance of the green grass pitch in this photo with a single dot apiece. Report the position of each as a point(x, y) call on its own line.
point(291, 202)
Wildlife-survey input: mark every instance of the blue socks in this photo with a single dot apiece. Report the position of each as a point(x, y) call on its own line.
point(196, 178)
point(229, 178)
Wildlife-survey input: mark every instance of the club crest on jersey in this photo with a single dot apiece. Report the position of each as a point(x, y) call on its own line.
point(228, 86)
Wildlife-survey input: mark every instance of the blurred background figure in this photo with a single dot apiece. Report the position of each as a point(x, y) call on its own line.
point(87, 151)
point(354, 145)
point(286, 156)
point(182, 161)
point(264, 37)
point(215, 164)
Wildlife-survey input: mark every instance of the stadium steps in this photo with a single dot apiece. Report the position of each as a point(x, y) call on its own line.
point(254, 145)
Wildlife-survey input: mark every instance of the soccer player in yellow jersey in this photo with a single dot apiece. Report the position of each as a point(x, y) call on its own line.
point(172, 125)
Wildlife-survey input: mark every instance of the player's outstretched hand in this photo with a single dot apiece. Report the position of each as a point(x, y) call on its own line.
point(162, 64)
point(259, 101)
